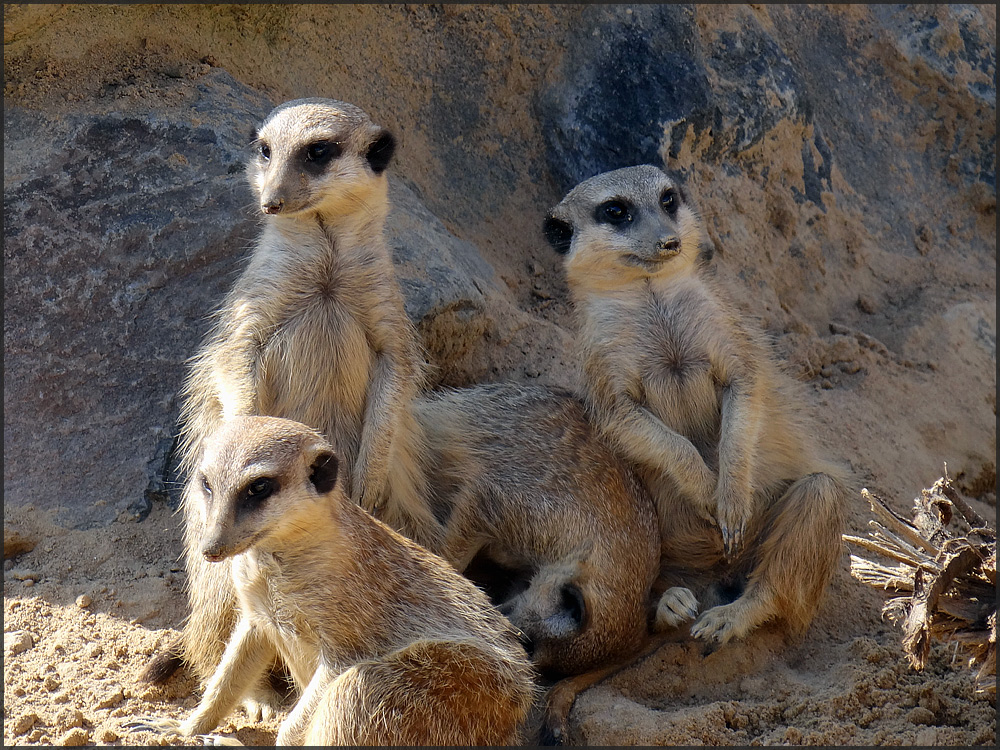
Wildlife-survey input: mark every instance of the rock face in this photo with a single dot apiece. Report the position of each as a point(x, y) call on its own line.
point(844, 159)
point(119, 229)
point(117, 247)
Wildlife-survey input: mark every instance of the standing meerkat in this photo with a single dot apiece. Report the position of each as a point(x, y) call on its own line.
point(693, 397)
point(386, 643)
point(313, 330)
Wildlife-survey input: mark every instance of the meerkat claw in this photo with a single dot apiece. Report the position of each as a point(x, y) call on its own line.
point(217, 740)
point(155, 724)
point(732, 538)
point(677, 605)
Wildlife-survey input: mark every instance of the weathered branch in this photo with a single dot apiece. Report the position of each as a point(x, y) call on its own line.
point(897, 524)
point(948, 582)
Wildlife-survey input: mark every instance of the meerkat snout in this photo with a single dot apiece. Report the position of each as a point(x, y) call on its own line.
point(272, 206)
point(670, 245)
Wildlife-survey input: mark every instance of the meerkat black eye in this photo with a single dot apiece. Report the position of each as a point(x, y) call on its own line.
point(613, 212)
point(670, 201)
point(265, 151)
point(255, 494)
point(261, 489)
point(321, 153)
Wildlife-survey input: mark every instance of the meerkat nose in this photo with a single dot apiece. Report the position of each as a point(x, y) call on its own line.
point(212, 552)
point(272, 207)
point(671, 244)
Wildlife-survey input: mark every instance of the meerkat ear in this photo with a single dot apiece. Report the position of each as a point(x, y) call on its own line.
point(380, 151)
point(573, 604)
point(323, 473)
point(559, 233)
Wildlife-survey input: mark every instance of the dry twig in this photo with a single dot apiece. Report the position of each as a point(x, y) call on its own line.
point(948, 582)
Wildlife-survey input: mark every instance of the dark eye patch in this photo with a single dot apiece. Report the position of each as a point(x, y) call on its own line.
point(615, 212)
point(255, 494)
point(320, 153)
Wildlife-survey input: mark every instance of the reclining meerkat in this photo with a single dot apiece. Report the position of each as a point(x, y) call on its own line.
point(386, 642)
point(692, 396)
point(313, 330)
point(542, 513)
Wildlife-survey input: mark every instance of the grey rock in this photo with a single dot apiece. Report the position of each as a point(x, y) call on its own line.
point(122, 233)
point(451, 292)
point(629, 80)
point(119, 234)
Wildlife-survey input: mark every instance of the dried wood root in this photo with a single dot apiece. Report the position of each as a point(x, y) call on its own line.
point(945, 583)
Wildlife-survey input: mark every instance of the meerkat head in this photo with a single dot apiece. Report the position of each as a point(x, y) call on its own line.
point(553, 615)
point(320, 156)
point(262, 479)
point(626, 225)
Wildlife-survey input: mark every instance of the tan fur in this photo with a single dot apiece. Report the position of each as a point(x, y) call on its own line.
point(692, 396)
point(385, 642)
point(313, 330)
point(523, 482)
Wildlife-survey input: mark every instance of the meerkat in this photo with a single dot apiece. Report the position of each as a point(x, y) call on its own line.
point(386, 643)
point(313, 330)
point(540, 512)
point(692, 396)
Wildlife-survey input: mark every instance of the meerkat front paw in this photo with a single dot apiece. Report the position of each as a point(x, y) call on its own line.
point(719, 625)
point(260, 707)
point(732, 513)
point(217, 740)
point(677, 605)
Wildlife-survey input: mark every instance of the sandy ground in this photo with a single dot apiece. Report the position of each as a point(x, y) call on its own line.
point(84, 610)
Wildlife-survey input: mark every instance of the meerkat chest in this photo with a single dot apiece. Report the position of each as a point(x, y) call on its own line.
point(317, 361)
point(267, 597)
point(677, 363)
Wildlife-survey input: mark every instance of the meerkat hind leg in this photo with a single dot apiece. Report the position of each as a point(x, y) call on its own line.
point(428, 693)
point(795, 561)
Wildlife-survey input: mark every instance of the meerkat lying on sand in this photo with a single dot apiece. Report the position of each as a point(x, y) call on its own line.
point(386, 643)
point(546, 516)
point(691, 395)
